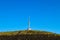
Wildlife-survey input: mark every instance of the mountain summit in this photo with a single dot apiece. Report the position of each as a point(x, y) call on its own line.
point(29, 35)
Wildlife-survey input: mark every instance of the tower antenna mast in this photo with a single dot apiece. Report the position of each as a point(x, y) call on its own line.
point(29, 23)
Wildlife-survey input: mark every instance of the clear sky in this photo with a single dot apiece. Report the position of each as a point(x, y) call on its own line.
point(44, 15)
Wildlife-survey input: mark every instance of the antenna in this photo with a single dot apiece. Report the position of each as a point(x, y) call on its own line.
point(29, 23)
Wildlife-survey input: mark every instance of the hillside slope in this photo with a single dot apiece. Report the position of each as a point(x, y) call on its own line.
point(29, 35)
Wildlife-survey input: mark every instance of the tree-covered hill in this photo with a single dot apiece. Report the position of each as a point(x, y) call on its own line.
point(29, 35)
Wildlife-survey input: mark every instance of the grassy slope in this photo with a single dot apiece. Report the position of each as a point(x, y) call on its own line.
point(29, 35)
point(27, 32)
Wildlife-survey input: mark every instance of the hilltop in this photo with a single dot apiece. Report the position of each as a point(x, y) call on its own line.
point(29, 35)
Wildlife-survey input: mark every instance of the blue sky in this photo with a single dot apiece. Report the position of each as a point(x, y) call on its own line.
point(44, 15)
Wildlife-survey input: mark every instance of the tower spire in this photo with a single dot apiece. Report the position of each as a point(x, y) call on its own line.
point(29, 23)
